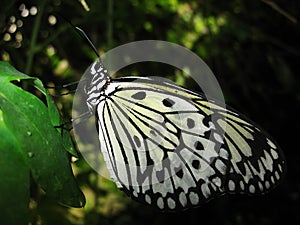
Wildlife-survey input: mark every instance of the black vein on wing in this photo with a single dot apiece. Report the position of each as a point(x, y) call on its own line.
point(116, 132)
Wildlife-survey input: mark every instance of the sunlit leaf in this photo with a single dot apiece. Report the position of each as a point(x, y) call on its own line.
point(14, 173)
point(43, 147)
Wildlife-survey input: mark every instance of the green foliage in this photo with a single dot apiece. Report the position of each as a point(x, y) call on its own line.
point(14, 175)
point(30, 144)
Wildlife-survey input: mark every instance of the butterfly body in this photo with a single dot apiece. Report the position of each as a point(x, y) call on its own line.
point(172, 148)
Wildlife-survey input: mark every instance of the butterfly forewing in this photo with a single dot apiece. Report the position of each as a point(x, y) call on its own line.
point(256, 162)
point(173, 149)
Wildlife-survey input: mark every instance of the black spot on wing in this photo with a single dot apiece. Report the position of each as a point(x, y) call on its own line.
point(139, 95)
point(198, 145)
point(196, 164)
point(190, 123)
point(179, 173)
point(137, 141)
point(168, 102)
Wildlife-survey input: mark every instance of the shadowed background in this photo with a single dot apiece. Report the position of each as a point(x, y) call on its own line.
point(251, 46)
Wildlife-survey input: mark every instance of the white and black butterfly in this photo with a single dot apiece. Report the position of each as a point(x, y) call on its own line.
point(162, 147)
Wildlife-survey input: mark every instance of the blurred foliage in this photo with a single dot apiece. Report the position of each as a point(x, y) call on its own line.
point(251, 46)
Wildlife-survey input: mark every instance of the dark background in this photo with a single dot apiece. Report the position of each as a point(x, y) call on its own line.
point(251, 46)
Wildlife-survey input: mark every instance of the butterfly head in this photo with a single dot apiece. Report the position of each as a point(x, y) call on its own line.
point(97, 79)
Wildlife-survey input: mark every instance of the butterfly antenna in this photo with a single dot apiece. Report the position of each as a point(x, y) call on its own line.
point(81, 33)
point(84, 36)
point(62, 86)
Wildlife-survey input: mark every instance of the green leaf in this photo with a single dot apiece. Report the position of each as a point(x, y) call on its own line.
point(7, 69)
point(14, 175)
point(11, 74)
point(57, 121)
point(32, 123)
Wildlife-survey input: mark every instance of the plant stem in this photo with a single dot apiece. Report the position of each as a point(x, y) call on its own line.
point(35, 31)
point(110, 23)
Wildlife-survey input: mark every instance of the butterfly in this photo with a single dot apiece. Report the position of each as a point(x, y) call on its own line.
point(173, 148)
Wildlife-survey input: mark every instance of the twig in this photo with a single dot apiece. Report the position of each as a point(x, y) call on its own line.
point(84, 5)
point(274, 6)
